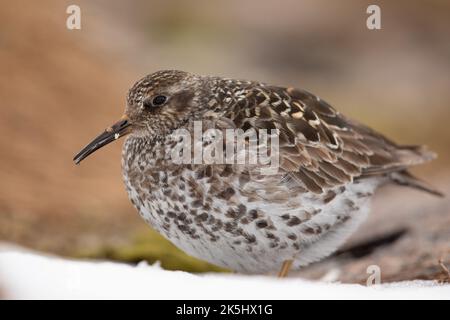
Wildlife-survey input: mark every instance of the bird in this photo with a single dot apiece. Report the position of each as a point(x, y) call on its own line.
point(233, 215)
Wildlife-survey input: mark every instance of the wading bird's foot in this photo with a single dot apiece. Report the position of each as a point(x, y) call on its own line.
point(287, 264)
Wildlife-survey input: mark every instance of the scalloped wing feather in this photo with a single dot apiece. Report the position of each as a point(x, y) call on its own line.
point(319, 147)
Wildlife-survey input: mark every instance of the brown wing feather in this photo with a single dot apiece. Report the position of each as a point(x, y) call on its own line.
point(319, 146)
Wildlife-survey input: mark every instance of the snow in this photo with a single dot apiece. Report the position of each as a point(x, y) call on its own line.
point(26, 274)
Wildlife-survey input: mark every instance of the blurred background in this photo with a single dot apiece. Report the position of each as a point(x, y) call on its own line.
point(60, 87)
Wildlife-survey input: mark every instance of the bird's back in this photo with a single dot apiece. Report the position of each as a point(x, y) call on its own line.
point(318, 145)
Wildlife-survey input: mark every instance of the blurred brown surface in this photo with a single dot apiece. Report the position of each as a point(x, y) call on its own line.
point(57, 92)
point(59, 88)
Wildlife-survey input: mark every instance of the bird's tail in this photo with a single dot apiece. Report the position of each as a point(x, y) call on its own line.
point(410, 156)
point(414, 155)
point(405, 178)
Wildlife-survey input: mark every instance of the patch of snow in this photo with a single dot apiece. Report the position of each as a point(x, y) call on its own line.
point(29, 275)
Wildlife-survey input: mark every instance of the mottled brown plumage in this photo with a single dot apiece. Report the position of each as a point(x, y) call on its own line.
point(231, 214)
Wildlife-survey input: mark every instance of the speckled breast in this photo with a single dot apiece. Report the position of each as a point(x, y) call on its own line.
point(225, 218)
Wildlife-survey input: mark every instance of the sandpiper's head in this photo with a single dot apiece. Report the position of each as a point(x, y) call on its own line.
point(162, 102)
point(156, 105)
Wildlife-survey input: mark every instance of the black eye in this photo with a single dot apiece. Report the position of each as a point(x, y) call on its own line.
point(155, 101)
point(159, 100)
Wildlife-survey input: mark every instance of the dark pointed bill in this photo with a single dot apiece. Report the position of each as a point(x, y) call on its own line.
point(117, 130)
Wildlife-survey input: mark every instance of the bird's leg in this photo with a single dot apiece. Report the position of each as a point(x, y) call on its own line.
point(285, 268)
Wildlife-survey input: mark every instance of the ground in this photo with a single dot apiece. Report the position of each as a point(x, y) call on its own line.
point(75, 279)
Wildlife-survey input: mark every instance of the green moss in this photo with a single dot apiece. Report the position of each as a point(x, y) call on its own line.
point(149, 246)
